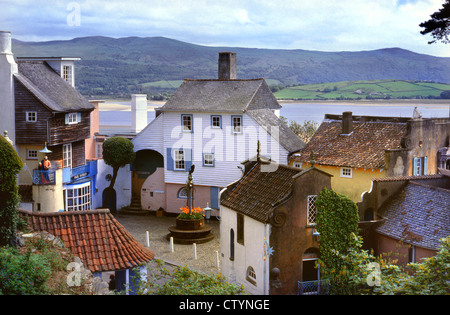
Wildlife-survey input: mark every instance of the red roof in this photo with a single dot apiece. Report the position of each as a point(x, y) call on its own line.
point(95, 236)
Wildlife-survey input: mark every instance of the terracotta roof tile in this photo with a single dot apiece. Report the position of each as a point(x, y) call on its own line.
point(257, 191)
point(95, 236)
point(363, 148)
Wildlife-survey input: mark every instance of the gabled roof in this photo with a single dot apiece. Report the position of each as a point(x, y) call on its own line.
point(363, 148)
point(94, 236)
point(49, 88)
point(256, 193)
point(221, 96)
point(419, 215)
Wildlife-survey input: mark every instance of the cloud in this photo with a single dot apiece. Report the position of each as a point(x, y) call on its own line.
point(290, 24)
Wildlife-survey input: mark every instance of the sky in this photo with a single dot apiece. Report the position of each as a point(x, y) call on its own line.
point(323, 25)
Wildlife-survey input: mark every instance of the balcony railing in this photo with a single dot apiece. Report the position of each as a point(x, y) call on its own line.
point(44, 177)
point(316, 287)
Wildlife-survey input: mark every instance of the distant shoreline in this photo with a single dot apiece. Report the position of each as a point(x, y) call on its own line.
point(113, 105)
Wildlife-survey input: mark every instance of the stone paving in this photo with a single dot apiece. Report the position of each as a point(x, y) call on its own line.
point(183, 255)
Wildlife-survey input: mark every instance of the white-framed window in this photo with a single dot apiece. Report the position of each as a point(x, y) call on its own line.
point(67, 73)
point(311, 210)
point(216, 121)
point(178, 159)
point(236, 123)
point(78, 198)
point(72, 118)
point(67, 155)
point(251, 275)
point(186, 122)
point(208, 159)
point(346, 172)
point(32, 154)
point(31, 116)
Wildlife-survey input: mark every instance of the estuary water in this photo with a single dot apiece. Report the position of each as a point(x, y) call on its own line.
point(301, 112)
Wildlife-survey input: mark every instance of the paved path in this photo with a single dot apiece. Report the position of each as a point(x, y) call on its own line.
point(183, 255)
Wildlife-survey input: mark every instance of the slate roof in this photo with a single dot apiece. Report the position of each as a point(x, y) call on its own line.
point(256, 193)
point(363, 148)
point(49, 88)
point(221, 96)
point(419, 215)
point(285, 136)
point(94, 236)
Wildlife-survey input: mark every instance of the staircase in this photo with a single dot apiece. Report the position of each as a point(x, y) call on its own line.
point(134, 207)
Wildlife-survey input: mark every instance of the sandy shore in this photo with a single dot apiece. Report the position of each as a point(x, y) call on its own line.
point(116, 106)
point(112, 105)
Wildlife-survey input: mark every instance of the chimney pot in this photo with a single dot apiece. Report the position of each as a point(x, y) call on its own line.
point(227, 66)
point(347, 123)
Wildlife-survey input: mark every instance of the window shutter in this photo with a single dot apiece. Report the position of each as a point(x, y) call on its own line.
point(169, 159)
point(415, 166)
point(425, 165)
point(78, 117)
point(67, 119)
point(187, 159)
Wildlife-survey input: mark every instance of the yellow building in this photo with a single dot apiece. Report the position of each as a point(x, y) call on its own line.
point(355, 149)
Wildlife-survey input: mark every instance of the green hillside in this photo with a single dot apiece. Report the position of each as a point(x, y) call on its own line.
point(376, 89)
point(120, 66)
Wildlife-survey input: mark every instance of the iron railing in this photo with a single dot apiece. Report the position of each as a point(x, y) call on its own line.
point(316, 287)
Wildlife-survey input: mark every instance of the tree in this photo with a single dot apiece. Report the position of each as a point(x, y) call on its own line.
point(305, 131)
point(10, 166)
point(117, 152)
point(336, 221)
point(438, 25)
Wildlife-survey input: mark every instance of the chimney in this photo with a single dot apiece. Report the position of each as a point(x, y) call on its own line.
point(138, 112)
point(8, 67)
point(347, 123)
point(227, 66)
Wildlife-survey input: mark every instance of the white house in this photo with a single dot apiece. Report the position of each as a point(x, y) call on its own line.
point(214, 125)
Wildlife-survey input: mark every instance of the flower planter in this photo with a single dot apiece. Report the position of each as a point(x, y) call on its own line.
point(190, 224)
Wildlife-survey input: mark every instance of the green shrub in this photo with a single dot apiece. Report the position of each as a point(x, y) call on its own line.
point(22, 274)
point(10, 166)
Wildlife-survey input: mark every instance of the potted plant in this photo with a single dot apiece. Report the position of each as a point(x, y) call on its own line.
point(190, 219)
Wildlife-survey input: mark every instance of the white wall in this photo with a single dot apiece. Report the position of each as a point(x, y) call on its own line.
point(230, 149)
point(122, 185)
point(249, 254)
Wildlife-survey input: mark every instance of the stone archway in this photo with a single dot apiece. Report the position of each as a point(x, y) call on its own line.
point(146, 163)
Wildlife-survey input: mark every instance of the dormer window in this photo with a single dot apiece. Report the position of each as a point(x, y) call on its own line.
point(67, 74)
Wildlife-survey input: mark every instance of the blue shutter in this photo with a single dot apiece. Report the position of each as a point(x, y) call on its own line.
point(415, 166)
point(187, 159)
point(78, 117)
point(425, 165)
point(169, 159)
point(215, 197)
point(67, 118)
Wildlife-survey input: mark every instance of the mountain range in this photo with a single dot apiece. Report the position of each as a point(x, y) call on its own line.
point(119, 66)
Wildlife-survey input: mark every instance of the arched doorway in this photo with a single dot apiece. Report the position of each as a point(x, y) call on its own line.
point(145, 164)
point(310, 257)
point(110, 203)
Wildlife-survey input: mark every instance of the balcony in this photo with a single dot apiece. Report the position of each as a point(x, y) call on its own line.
point(44, 177)
point(316, 287)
